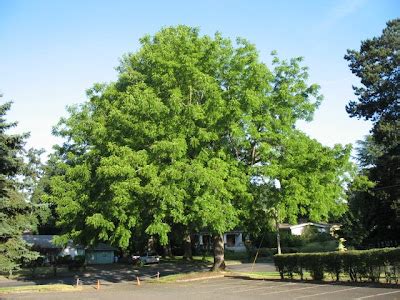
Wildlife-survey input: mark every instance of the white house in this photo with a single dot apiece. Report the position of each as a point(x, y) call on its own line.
point(298, 229)
point(100, 254)
point(233, 240)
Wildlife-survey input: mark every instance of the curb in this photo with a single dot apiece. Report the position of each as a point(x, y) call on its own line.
point(200, 278)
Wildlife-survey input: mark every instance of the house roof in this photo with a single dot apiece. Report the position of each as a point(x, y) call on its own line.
point(310, 224)
point(294, 226)
point(102, 247)
point(46, 242)
point(41, 241)
point(284, 226)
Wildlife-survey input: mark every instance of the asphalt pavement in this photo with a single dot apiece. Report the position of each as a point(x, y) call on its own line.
point(223, 288)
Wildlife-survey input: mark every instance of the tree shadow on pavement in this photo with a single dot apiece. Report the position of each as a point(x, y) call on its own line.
point(114, 273)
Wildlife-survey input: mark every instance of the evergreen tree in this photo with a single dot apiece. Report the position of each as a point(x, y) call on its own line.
point(377, 65)
point(16, 214)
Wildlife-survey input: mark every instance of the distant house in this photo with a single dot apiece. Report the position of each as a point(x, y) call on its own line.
point(45, 246)
point(298, 229)
point(101, 254)
point(233, 240)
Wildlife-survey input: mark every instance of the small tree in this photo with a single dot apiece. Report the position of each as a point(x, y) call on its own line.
point(312, 181)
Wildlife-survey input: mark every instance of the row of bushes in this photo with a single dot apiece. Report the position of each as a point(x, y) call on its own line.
point(72, 263)
point(358, 265)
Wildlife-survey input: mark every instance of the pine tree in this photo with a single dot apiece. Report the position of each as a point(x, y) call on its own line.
point(16, 215)
point(377, 66)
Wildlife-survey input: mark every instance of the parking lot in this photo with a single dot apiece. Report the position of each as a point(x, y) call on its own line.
point(224, 288)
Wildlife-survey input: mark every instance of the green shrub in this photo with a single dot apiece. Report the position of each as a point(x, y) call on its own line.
point(287, 264)
point(333, 264)
point(63, 260)
point(392, 266)
point(289, 240)
point(78, 262)
point(323, 246)
point(357, 264)
point(267, 252)
point(314, 263)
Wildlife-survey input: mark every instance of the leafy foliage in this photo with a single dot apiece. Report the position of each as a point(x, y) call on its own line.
point(179, 138)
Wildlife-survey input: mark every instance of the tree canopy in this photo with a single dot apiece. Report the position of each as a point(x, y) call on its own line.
point(377, 65)
point(180, 137)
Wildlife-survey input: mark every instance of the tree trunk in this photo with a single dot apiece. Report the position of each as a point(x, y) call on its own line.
point(167, 250)
point(219, 259)
point(278, 236)
point(187, 247)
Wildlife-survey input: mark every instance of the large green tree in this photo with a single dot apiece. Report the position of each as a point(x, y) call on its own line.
point(16, 214)
point(151, 148)
point(377, 65)
point(178, 140)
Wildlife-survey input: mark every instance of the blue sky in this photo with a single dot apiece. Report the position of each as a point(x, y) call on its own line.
point(52, 51)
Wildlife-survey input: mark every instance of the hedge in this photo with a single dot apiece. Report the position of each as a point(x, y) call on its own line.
point(73, 263)
point(358, 265)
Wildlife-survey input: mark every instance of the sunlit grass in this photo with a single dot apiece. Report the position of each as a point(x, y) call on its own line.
point(257, 275)
point(186, 276)
point(39, 288)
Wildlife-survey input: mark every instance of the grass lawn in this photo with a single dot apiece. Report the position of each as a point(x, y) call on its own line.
point(39, 288)
point(256, 275)
point(276, 275)
point(38, 272)
point(230, 259)
point(200, 275)
point(179, 260)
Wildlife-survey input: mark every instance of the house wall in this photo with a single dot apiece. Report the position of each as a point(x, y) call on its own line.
point(100, 257)
point(298, 230)
point(239, 245)
point(72, 251)
point(204, 239)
